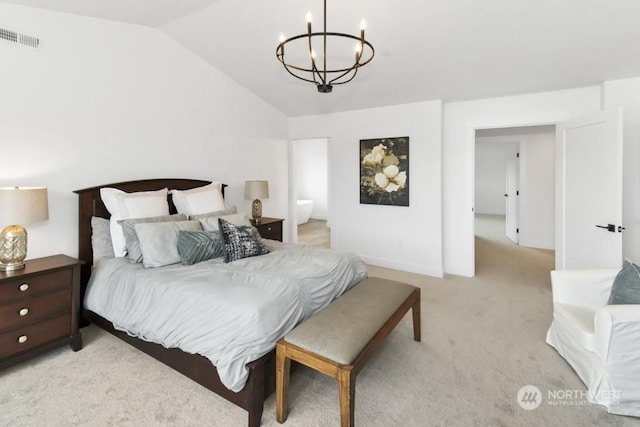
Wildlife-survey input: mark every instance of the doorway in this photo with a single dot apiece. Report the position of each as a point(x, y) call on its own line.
point(310, 194)
point(514, 195)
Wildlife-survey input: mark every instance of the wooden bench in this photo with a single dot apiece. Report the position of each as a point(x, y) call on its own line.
point(339, 339)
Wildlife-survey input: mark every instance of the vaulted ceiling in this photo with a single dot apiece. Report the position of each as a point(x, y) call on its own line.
point(425, 49)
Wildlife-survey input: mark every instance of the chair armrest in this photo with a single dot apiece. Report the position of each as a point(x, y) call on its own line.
point(617, 331)
point(587, 288)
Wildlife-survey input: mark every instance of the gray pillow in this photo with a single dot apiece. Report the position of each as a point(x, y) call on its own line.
point(241, 241)
point(159, 241)
point(131, 238)
point(626, 285)
point(211, 223)
point(198, 246)
point(215, 214)
point(101, 239)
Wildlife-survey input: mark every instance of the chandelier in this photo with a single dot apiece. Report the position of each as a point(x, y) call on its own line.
point(320, 74)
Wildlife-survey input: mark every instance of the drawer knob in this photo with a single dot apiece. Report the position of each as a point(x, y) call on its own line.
point(24, 287)
point(24, 312)
point(22, 339)
point(268, 228)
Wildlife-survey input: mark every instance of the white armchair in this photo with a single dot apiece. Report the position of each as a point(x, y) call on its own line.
point(601, 342)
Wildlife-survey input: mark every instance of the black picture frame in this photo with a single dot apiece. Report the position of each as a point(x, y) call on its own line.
point(384, 171)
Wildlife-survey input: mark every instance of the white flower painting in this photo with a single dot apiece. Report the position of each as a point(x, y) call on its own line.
point(384, 171)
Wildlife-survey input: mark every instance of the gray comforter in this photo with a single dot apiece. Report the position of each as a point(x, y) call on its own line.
point(230, 313)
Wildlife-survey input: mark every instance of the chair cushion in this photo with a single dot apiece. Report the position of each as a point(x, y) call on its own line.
point(578, 322)
point(340, 331)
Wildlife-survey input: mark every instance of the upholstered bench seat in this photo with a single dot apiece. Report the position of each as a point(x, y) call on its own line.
point(339, 339)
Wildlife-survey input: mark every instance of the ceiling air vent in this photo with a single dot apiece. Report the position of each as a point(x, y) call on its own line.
point(23, 39)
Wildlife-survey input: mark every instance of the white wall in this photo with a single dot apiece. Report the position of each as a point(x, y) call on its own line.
point(406, 238)
point(491, 170)
point(461, 119)
point(626, 94)
point(104, 102)
point(312, 179)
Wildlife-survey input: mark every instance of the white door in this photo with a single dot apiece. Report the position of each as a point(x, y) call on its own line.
point(511, 198)
point(589, 191)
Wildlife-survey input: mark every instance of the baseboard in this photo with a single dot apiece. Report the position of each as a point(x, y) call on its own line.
point(411, 268)
point(320, 217)
point(460, 270)
point(536, 245)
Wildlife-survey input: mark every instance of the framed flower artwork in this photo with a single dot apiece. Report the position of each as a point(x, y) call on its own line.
point(384, 171)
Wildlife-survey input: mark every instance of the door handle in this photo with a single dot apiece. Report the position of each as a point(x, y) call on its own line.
point(506, 195)
point(609, 227)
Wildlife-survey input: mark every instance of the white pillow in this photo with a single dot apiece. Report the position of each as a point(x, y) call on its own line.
point(123, 205)
point(199, 200)
point(210, 223)
point(159, 241)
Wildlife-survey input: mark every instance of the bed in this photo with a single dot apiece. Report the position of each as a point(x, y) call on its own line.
point(259, 381)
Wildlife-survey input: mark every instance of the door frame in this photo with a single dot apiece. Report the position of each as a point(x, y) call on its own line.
point(508, 121)
point(293, 186)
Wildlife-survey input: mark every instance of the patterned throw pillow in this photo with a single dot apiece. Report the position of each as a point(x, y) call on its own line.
point(241, 241)
point(198, 246)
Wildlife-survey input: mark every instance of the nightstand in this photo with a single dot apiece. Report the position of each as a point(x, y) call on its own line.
point(269, 228)
point(39, 308)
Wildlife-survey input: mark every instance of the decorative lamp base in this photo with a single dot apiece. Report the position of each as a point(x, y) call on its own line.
point(256, 210)
point(13, 247)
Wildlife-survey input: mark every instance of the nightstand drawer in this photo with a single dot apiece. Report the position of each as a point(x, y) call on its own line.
point(22, 287)
point(271, 231)
point(31, 310)
point(23, 339)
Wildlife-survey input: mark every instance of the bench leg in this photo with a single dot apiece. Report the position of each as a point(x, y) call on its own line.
point(283, 367)
point(347, 384)
point(415, 310)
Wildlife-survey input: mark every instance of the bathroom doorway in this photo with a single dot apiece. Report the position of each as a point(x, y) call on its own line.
point(311, 190)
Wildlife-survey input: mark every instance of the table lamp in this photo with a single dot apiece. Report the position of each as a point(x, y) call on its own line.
point(256, 190)
point(19, 205)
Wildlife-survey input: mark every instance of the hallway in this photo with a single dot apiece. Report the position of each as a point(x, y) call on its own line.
point(495, 253)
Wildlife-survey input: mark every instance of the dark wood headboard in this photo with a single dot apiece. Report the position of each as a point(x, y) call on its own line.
point(90, 204)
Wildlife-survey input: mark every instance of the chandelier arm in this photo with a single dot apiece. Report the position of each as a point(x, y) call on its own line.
point(286, 66)
point(314, 68)
point(355, 71)
point(297, 76)
point(280, 55)
point(355, 68)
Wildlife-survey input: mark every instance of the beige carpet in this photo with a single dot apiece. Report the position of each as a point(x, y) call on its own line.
point(483, 339)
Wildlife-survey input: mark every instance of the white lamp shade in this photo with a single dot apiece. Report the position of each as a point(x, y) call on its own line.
point(23, 205)
point(256, 190)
